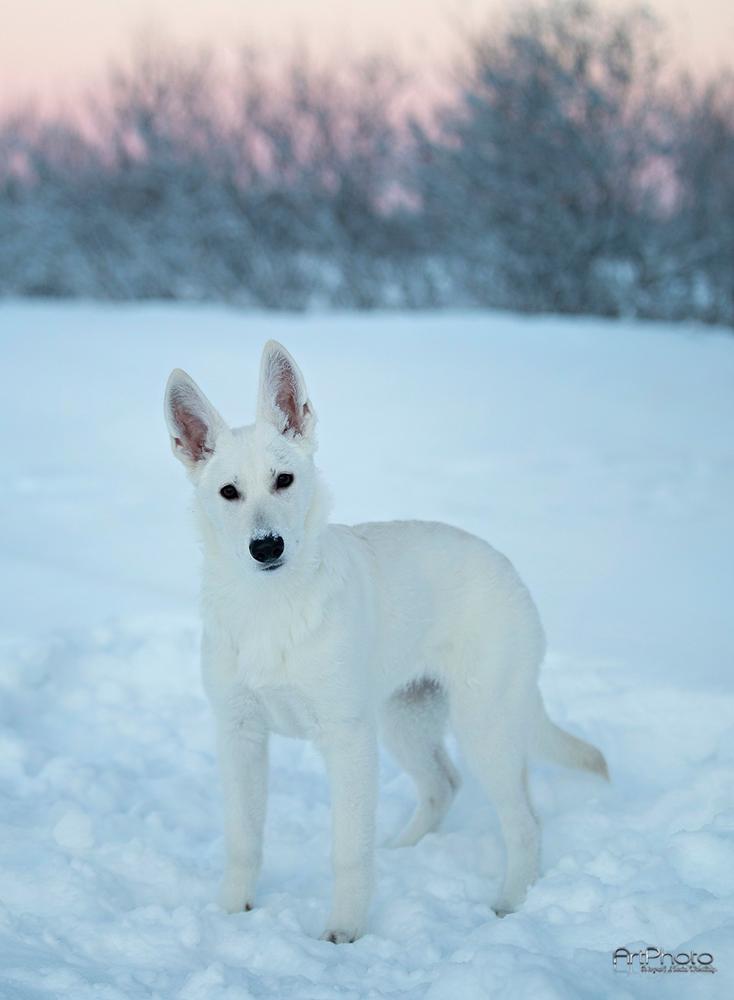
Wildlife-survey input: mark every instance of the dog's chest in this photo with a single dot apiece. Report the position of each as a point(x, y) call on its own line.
point(285, 665)
point(288, 712)
point(282, 687)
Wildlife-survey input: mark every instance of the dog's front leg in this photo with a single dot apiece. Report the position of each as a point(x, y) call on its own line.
point(350, 752)
point(243, 761)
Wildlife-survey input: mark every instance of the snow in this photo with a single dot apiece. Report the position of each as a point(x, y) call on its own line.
point(597, 455)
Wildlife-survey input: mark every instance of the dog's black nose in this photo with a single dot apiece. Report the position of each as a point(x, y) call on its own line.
point(267, 549)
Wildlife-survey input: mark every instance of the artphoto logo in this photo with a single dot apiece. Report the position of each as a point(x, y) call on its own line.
point(655, 960)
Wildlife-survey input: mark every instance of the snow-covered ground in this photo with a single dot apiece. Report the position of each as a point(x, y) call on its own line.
point(599, 456)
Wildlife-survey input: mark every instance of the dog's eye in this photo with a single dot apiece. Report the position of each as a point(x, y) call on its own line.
point(283, 481)
point(229, 492)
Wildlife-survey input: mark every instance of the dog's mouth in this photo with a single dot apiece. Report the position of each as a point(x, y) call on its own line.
point(272, 566)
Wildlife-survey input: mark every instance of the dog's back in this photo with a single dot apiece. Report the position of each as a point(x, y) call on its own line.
point(448, 606)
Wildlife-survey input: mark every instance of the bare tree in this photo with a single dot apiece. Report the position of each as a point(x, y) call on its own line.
point(560, 175)
point(537, 178)
point(702, 229)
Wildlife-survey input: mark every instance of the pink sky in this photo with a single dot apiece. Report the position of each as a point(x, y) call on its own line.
point(49, 48)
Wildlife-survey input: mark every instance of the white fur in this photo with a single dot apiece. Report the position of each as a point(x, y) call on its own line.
point(400, 626)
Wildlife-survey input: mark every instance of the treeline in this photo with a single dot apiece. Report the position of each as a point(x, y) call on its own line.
point(567, 170)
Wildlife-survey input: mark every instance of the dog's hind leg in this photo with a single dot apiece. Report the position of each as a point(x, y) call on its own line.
point(413, 723)
point(492, 741)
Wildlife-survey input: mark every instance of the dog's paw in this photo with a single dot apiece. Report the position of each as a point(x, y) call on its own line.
point(234, 899)
point(504, 907)
point(340, 937)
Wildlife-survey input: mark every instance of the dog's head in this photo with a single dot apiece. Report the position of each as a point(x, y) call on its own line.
point(257, 489)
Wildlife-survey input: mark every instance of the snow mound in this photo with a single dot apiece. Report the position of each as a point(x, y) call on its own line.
point(112, 847)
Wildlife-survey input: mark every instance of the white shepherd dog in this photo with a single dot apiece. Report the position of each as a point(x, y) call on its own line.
point(333, 633)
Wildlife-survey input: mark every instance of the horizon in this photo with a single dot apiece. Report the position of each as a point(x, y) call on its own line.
point(46, 58)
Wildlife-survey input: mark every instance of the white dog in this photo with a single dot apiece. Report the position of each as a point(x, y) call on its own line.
point(327, 633)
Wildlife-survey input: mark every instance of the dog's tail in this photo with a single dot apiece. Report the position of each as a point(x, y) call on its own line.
point(552, 743)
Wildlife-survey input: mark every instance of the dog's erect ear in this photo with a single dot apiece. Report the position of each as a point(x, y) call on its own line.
point(283, 398)
point(192, 420)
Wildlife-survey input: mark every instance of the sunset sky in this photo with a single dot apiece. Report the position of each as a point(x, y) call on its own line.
point(51, 48)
